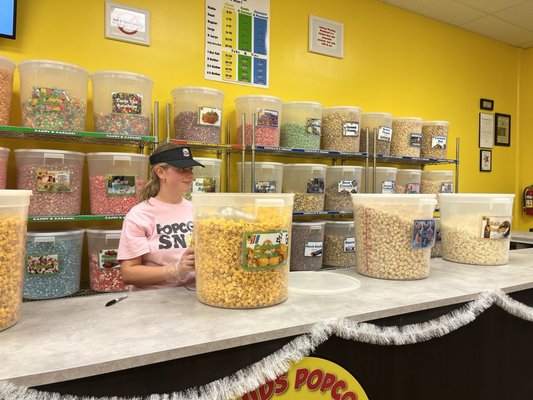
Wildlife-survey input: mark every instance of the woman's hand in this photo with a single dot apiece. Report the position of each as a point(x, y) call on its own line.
point(183, 270)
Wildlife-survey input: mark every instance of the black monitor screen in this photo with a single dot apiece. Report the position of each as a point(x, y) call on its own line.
point(8, 18)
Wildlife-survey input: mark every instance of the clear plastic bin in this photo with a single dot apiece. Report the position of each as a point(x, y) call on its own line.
point(4, 157)
point(307, 182)
point(339, 244)
point(476, 227)
point(406, 137)
point(268, 177)
point(7, 69)
point(207, 178)
point(381, 123)
point(53, 95)
point(301, 125)
point(408, 181)
point(307, 245)
point(122, 102)
point(434, 139)
point(341, 182)
point(104, 269)
point(436, 182)
point(54, 176)
point(13, 222)
point(340, 128)
point(52, 263)
point(394, 234)
point(268, 119)
point(385, 180)
point(116, 181)
point(247, 266)
point(198, 114)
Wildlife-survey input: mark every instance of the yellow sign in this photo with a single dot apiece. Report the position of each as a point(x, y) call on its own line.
point(312, 378)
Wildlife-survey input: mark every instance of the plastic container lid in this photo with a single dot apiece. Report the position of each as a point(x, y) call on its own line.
point(321, 283)
point(476, 197)
point(52, 64)
point(92, 231)
point(435, 123)
point(257, 97)
point(386, 198)
point(437, 172)
point(4, 151)
point(345, 167)
point(50, 233)
point(376, 114)
point(343, 108)
point(296, 166)
point(119, 74)
point(7, 63)
point(340, 223)
point(108, 154)
point(302, 103)
point(192, 89)
point(14, 197)
point(417, 119)
point(76, 154)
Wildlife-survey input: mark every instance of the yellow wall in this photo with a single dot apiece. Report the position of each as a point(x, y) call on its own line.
point(395, 61)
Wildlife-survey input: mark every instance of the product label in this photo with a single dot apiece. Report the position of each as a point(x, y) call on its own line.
point(313, 249)
point(52, 181)
point(388, 187)
point(314, 126)
point(121, 185)
point(107, 259)
point(265, 250)
point(207, 185)
point(42, 264)
point(412, 188)
point(315, 185)
point(347, 187)
point(438, 142)
point(446, 187)
point(126, 103)
point(415, 140)
point(50, 100)
point(265, 186)
point(384, 133)
point(424, 233)
point(350, 129)
point(209, 116)
point(266, 117)
point(495, 227)
point(349, 245)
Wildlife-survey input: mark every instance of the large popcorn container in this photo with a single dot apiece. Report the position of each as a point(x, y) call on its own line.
point(267, 110)
point(13, 222)
point(242, 248)
point(476, 227)
point(394, 234)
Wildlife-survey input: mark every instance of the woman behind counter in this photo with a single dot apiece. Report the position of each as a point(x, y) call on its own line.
point(153, 250)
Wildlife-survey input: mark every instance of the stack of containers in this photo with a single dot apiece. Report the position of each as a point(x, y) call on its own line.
point(307, 245)
point(13, 222)
point(207, 178)
point(115, 181)
point(268, 177)
point(408, 181)
point(342, 182)
point(54, 176)
point(7, 68)
point(434, 139)
point(301, 125)
point(380, 124)
point(104, 269)
point(339, 244)
point(53, 263)
point(122, 102)
point(340, 128)
point(53, 95)
point(385, 180)
point(267, 110)
point(406, 137)
point(307, 182)
point(198, 114)
point(4, 156)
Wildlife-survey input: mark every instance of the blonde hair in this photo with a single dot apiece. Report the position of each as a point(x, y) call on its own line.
point(152, 187)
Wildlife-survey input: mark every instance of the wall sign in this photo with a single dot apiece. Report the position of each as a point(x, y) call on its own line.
point(128, 24)
point(326, 37)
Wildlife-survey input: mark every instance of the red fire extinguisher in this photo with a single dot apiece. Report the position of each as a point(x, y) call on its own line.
point(528, 200)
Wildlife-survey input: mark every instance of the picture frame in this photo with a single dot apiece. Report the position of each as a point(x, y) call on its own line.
point(502, 130)
point(486, 104)
point(126, 23)
point(326, 37)
point(486, 130)
point(485, 160)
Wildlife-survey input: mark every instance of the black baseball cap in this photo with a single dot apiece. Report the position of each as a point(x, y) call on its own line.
point(179, 157)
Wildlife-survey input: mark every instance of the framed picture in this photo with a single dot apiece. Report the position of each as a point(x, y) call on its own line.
point(502, 130)
point(326, 37)
point(128, 24)
point(485, 160)
point(486, 130)
point(486, 104)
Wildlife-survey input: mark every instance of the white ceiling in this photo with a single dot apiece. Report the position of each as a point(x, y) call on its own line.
point(509, 21)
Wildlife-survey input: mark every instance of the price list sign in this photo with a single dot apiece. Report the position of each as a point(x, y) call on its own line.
point(237, 41)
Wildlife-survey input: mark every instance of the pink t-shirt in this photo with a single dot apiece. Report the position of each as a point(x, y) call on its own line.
point(157, 231)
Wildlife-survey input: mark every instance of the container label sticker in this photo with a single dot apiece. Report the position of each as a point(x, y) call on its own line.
point(446, 187)
point(350, 129)
point(347, 187)
point(52, 181)
point(315, 185)
point(47, 99)
point(384, 133)
point(313, 249)
point(388, 187)
point(412, 188)
point(349, 245)
point(265, 186)
point(206, 185)
point(265, 250)
point(314, 126)
point(415, 140)
point(107, 259)
point(267, 118)
point(438, 142)
point(126, 103)
point(495, 227)
point(209, 116)
point(121, 185)
point(424, 233)
point(42, 264)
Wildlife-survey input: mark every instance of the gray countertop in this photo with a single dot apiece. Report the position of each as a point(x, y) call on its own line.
point(522, 237)
point(63, 339)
